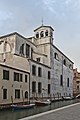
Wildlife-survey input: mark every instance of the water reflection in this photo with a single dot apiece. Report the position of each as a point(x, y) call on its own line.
point(15, 115)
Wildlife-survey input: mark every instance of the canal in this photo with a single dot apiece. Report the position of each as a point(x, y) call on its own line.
point(15, 115)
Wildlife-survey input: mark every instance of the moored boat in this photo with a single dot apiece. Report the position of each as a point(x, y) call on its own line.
point(67, 98)
point(18, 107)
point(42, 103)
point(78, 96)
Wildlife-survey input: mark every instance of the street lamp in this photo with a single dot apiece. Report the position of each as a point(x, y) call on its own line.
point(43, 89)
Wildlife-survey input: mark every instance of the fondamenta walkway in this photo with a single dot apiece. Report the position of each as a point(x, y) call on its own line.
point(71, 112)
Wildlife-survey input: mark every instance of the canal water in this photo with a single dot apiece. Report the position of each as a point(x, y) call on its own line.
point(15, 115)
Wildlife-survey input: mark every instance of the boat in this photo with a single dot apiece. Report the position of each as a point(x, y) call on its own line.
point(42, 103)
point(67, 98)
point(78, 96)
point(19, 107)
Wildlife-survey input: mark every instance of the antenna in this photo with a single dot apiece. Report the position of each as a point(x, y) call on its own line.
point(42, 21)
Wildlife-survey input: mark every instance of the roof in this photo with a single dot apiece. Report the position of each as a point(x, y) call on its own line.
point(43, 26)
point(40, 63)
point(11, 67)
point(62, 53)
point(59, 51)
point(16, 33)
point(10, 34)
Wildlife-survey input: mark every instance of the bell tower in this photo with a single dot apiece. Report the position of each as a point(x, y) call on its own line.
point(44, 34)
point(44, 40)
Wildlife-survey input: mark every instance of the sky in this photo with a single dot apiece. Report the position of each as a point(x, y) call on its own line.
point(23, 16)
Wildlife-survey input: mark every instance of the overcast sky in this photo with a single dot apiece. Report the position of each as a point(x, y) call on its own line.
point(23, 16)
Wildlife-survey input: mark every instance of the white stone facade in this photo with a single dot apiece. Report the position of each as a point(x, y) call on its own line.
point(49, 71)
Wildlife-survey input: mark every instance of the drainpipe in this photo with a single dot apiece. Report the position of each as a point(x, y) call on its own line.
point(29, 78)
point(29, 88)
point(62, 74)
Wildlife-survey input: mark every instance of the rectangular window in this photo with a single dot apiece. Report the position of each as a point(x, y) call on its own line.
point(67, 82)
point(38, 59)
point(39, 87)
point(27, 50)
point(77, 87)
point(77, 82)
point(17, 93)
point(48, 88)
point(61, 80)
point(5, 74)
point(16, 76)
point(4, 93)
point(33, 86)
point(21, 78)
point(48, 74)
point(26, 78)
point(39, 72)
point(33, 70)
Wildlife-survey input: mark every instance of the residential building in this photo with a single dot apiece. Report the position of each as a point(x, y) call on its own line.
point(33, 67)
point(76, 82)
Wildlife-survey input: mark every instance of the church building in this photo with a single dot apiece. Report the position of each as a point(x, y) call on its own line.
point(33, 68)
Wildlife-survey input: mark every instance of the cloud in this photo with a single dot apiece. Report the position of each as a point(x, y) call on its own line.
point(52, 4)
point(73, 4)
point(76, 4)
point(5, 18)
point(49, 5)
point(67, 1)
point(48, 2)
point(5, 15)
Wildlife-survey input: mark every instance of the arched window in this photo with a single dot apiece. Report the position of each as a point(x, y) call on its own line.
point(7, 48)
point(27, 50)
point(42, 34)
point(46, 33)
point(51, 34)
point(37, 35)
point(26, 94)
point(56, 56)
point(22, 49)
point(64, 62)
point(70, 66)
